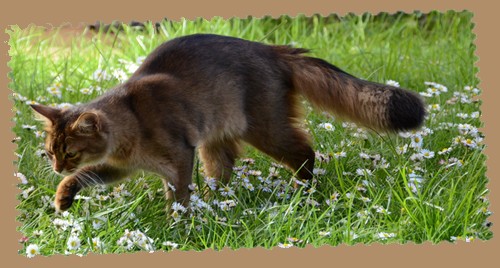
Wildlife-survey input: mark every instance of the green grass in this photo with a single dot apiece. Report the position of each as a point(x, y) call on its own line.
point(343, 205)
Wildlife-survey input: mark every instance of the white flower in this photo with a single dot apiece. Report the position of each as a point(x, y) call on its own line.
point(97, 244)
point(445, 151)
point(21, 176)
point(365, 199)
point(474, 115)
point(469, 143)
point(416, 141)
point(32, 250)
point(211, 183)
point(64, 105)
point(55, 91)
point(73, 242)
point(170, 244)
point(381, 210)
point(414, 182)
point(327, 126)
point(402, 149)
point(19, 97)
point(226, 191)
point(324, 233)
point(392, 83)
point(319, 171)
point(285, 245)
point(384, 236)
point(140, 60)
point(427, 154)
point(38, 233)
point(26, 192)
point(178, 207)
point(363, 172)
point(98, 222)
point(339, 154)
point(86, 91)
point(434, 107)
point(121, 75)
point(226, 205)
point(100, 75)
point(30, 127)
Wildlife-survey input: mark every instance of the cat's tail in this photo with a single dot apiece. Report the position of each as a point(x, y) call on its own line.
point(378, 106)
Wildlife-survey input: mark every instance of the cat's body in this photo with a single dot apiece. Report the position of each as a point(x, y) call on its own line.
point(212, 93)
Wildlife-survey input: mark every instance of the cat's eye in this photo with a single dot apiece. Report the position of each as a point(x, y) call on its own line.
point(70, 155)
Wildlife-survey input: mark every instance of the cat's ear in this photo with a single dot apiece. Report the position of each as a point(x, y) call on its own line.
point(46, 113)
point(88, 123)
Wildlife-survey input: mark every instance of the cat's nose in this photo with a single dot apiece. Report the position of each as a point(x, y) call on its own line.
point(58, 169)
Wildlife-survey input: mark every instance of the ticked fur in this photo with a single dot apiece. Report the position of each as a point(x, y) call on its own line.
point(211, 93)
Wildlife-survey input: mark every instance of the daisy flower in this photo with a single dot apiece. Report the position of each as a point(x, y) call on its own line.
point(469, 143)
point(327, 126)
point(415, 182)
point(29, 127)
point(100, 75)
point(226, 191)
point(73, 242)
point(178, 207)
point(21, 177)
point(54, 91)
point(324, 233)
point(445, 151)
point(384, 235)
point(363, 172)
point(31, 102)
point(64, 105)
point(434, 107)
point(365, 199)
point(19, 97)
point(474, 115)
point(86, 91)
point(97, 244)
point(392, 83)
point(293, 240)
point(211, 183)
point(319, 171)
point(170, 244)
point(381, 210)
point(416, 141)
point(120, 75)
point(32, 250)
point(339, 154)
point(285, 245)
point(226, 205)
point(427, 154)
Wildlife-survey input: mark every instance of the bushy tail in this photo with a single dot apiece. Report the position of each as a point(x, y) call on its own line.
point(373, 105)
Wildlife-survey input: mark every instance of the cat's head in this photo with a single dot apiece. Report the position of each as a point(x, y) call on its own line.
point(75, 138)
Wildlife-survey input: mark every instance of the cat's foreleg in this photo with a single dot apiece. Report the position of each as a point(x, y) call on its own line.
point(178, 179)
point(72, 184)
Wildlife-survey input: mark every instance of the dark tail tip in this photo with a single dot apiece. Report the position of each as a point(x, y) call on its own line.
point(406, 110)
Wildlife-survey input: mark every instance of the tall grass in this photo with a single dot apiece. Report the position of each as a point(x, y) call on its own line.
point(368, 188)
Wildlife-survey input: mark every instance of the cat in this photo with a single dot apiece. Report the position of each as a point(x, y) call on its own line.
point(211, 93)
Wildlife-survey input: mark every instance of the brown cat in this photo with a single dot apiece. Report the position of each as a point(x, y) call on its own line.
point(212, 93)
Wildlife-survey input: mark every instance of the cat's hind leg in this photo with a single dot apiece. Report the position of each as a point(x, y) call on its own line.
point(218, 158)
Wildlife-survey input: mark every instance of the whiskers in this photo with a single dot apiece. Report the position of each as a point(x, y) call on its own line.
point(87, 178)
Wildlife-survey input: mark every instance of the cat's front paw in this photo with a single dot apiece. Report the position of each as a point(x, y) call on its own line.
point(65, 194)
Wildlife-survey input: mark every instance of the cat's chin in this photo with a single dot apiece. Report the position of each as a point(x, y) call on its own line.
point(66, 172)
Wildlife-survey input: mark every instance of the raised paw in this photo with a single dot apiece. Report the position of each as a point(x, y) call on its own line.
point(65, 194)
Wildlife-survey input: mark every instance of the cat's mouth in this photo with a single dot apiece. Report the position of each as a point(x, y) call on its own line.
point(65, 172)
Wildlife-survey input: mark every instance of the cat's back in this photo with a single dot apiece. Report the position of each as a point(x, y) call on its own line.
point(206, 54)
